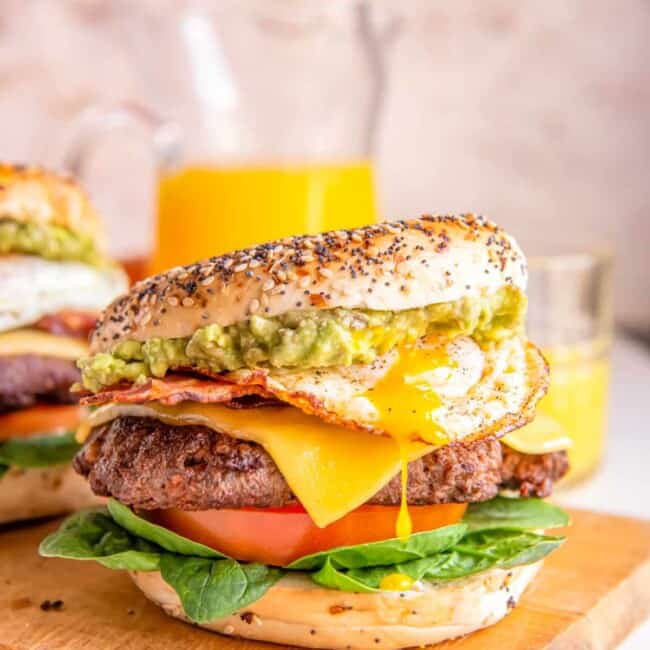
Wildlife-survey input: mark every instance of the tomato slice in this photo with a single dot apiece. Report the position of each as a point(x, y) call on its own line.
point(43, 418)
point(279, 536)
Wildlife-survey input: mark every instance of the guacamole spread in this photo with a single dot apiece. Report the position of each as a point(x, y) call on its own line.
point(48, 241)
point(307, 338)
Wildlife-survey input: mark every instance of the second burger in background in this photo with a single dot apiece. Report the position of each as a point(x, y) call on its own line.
point(54, 280)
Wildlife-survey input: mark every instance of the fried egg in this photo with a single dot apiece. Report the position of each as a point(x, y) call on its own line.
point(33, 287)
point(437, 392)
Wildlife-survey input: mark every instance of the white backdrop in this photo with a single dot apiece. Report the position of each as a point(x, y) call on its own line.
point(534, 113)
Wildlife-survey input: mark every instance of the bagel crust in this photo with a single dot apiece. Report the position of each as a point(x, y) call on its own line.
point(35, 195)
point(43, 492)
point(387, 266)
point(297, 612)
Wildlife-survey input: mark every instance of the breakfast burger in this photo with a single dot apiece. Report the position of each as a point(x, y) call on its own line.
point(54, 280)
point(317, 442)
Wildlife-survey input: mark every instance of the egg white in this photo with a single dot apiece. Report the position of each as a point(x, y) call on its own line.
point(33, 287)
point(480, 391)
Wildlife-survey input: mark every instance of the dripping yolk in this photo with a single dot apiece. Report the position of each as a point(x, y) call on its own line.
point(405, 402)
point(404, 526)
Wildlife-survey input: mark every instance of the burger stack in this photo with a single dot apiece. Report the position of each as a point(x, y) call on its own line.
point(318, 441)
point(54, 280)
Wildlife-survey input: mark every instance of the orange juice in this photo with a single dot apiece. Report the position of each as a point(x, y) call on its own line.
point(208, 210)
point(577, 401)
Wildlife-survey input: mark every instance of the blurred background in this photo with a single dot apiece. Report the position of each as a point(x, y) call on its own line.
point(533, 113)
point(244, 121)
point(248, 120)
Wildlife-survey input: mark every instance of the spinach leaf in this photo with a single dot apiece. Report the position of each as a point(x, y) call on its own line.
point(505, 548)
point(211, 588)
point(332, 578)
point(208, 587)
point(38, 451)
point(163, 537)
point(509, 512)
point(3, 470)
point(93, 535)
point(477, 552)
point(449, 565)
point(390, 551)
point(500, 512)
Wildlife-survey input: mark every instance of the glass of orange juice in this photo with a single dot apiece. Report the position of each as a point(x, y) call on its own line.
point(208, 209)
point(570, 317)
point(261, 114)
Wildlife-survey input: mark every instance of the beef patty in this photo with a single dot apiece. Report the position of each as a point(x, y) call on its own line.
point(148, 464)
point(28, 378)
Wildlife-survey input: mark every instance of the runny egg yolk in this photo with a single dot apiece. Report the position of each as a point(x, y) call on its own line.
point(396, 582)
point(405, 402)
point(404, 525)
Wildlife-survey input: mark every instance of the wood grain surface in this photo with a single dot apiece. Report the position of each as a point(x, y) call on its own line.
point(590, 594)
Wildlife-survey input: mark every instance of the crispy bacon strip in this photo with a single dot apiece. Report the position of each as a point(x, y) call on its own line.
point(68, 323)
point(173, 389)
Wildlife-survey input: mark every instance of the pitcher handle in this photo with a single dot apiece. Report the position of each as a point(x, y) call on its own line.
point(163, 137)
point(160, 137)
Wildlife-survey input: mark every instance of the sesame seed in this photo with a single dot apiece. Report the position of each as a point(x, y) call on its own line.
point(254, 305)
point(374, 252)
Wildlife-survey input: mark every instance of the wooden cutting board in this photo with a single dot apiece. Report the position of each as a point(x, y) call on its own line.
point(590, 594)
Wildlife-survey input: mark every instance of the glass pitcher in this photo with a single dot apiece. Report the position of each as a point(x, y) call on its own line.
point(261, 115)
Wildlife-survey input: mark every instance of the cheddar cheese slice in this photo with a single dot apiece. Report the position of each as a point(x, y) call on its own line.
point(33, 341)
point(331, 470)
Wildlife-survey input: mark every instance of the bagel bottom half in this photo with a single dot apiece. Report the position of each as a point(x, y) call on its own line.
point(298, 612)
point(43, 492)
